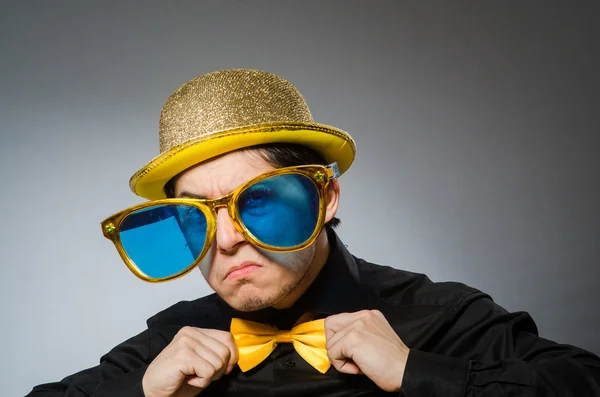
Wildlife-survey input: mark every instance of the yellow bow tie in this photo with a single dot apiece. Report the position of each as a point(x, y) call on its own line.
point(256, 341)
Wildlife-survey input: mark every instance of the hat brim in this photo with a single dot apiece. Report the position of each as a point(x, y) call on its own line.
point(333, 144)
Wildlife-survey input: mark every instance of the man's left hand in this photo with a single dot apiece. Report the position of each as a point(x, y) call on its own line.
point(364, 342)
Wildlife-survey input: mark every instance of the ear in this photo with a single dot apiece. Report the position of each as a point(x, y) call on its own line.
point(333, 199)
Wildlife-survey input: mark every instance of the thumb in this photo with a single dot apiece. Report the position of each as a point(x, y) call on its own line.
point(348, 367)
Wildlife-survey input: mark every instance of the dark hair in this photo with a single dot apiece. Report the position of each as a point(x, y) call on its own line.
point(278, 155)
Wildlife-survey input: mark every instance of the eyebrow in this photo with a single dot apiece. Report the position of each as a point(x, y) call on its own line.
point(191, 195)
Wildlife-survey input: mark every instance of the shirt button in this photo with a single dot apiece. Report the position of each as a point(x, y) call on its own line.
point(290, 363)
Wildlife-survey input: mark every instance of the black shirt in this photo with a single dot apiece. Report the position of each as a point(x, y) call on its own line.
point(462, 343)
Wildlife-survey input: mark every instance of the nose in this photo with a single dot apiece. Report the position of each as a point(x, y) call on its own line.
point(228, 238)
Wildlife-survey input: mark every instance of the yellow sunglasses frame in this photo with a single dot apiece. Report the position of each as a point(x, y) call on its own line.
point(320, 175)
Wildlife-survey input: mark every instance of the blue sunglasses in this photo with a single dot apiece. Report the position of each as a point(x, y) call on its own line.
point(282, 210)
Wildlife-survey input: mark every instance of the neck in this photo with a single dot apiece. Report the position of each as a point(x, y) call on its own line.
point(322, 248)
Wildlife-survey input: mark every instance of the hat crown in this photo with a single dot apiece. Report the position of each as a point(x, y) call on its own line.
point(228, 99)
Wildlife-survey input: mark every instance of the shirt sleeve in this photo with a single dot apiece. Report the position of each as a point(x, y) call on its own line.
point(485, 351)
point(119, 373)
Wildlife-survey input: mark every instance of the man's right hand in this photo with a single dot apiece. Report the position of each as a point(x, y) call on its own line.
point(194, 358)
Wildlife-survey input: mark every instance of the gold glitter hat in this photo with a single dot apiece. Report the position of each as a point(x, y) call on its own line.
point(232, 109)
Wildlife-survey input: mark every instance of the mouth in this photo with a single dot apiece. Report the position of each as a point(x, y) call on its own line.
point(241, 271)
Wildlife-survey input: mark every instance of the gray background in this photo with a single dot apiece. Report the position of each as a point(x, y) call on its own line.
point(476, 125)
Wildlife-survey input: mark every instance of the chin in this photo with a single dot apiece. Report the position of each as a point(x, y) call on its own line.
point(249, 304)
point(252, 298)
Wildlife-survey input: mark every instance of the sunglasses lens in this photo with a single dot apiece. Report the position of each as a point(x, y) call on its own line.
point(163, 240)
point(281, 211)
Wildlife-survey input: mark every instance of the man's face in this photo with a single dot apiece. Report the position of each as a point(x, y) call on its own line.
point(264, 278)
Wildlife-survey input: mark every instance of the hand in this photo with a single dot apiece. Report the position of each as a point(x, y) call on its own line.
point(364, 342)
point(194, 358)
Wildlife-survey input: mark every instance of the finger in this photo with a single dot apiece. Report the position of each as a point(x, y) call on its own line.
point(211, 349)
point(219, 362)
point(186, 331)
point(335, 338)
point(341, 350)
point(200, 370)
point(221, 337)
point(340, 321)
point(368, 322)
point(226, 338)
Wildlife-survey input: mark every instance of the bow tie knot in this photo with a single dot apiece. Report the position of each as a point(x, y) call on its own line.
point(256, 341)
point(283, 336)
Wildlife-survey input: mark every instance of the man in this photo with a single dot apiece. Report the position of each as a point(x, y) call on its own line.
point(246, 189)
